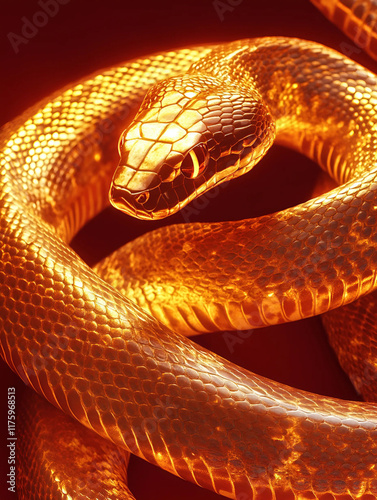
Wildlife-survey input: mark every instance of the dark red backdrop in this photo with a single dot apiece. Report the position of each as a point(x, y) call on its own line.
point(85, 35)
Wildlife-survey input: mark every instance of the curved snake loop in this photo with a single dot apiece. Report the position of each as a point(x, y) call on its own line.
point(103, 360)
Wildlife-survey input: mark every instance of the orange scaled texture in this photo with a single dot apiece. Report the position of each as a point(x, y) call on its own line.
point(101, 344)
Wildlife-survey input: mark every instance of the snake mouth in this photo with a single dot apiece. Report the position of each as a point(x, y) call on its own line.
point(158, 202)
point(139, 204)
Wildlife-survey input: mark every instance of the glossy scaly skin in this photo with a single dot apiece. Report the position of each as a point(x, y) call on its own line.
point(281, 267)
point(57, 457)
point(357, 19)
point(72, 190)
point(104, 361)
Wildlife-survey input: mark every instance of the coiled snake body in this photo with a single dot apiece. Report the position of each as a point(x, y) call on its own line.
point(106, 362)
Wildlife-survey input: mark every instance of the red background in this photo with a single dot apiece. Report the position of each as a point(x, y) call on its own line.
point(87, 35)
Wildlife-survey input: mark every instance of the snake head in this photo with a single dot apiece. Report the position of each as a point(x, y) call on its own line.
point(189, 135)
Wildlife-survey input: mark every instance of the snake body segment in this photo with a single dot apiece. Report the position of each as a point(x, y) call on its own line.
point(101, 359)
point(357, 19)
point(59, 457)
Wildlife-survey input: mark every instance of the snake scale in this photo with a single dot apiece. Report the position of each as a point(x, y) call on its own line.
point(102, 359)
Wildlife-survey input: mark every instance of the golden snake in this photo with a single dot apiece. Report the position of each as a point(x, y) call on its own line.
point(99, 357)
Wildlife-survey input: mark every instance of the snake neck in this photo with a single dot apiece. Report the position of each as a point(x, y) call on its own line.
point(314, 95)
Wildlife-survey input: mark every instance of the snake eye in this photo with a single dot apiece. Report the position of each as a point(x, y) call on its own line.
point(195, 161)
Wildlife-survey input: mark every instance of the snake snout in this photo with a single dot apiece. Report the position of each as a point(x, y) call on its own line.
point(138, 204)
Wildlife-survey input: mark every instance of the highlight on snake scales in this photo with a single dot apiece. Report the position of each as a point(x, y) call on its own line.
point(104, 352)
